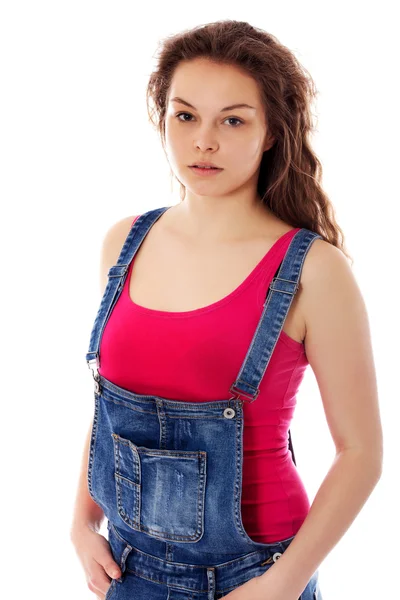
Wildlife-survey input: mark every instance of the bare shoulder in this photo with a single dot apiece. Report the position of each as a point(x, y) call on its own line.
point(338, 345)
point(113, 241)
point(333, 309)
point(326, 271)
point(324, 261)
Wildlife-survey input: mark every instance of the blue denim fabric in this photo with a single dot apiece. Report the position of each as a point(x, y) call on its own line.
point(168, 474)
point(146, 576)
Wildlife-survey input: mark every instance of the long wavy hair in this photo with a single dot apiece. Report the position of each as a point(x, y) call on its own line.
point(289, 182)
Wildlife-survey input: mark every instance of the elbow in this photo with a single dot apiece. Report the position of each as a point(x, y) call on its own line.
point(371, 459)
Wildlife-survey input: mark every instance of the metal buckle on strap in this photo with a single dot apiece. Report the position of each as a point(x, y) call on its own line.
point(237, 395)
point(296, 285)
point(117, 270)
point(93, 365)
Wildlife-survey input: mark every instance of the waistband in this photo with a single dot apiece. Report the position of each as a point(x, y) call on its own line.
point(196, 577)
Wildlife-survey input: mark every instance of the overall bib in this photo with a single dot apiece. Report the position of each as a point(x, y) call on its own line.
point(168, 474)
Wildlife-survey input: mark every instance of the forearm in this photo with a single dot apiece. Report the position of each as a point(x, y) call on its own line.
point(339, 499)
point(86, 511)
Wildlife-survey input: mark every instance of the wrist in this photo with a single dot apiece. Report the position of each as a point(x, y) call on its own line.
point(80, 525)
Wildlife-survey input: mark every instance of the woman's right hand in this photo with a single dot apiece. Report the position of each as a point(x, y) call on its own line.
point(95, 555)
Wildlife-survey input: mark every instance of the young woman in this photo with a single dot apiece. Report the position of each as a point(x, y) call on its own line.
point(211, 312)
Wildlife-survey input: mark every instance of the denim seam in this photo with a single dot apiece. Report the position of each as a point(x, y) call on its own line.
point(178, 587)
point(172, 585)
point(92, 448)
point(151, 412)
point(110, 590)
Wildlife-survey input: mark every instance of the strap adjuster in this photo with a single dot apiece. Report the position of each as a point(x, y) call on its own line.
point(295, 283)
point(237, 395)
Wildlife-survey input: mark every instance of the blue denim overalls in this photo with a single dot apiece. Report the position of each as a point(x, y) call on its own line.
point(168, 474)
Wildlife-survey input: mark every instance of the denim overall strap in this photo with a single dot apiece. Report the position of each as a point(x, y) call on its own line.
point(116, 277)
point(159, 468)
point(283, 288)
point(280, 295)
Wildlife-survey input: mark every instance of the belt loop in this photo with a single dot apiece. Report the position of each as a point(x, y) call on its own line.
point(211, 583)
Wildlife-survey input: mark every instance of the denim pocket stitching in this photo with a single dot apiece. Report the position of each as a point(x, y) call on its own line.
point(131, 461)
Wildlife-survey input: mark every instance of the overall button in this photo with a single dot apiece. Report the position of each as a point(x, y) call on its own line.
point(229, 413)
point(276, 556)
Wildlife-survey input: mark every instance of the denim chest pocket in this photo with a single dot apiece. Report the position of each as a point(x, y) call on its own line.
point(160, 492)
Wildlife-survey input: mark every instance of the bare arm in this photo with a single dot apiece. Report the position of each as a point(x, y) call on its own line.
point(339, 349)
point(86, 512)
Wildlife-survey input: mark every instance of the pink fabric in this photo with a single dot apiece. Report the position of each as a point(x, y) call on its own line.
point(195, 356)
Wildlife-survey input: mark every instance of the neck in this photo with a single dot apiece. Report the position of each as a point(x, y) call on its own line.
point(219, 220)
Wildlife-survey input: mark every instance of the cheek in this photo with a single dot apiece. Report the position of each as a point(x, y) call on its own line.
point(172, 133)
point(175, 150)
point(246, 155)
point(176, 140)
point(254, 148)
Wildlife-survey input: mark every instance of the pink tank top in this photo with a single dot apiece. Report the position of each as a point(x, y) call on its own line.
point(195, 356)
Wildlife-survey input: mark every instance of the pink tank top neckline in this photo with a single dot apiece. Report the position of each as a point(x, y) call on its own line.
point(150, 312)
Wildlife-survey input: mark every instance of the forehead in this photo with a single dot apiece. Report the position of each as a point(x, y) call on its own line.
point(202, 82)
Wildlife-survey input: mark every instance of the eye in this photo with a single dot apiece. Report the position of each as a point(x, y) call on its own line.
point(239, 121)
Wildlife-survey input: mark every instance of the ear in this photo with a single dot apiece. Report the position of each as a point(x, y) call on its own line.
point(269, 142)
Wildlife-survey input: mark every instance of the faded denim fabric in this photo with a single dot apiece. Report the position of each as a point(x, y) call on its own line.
point(168, 474)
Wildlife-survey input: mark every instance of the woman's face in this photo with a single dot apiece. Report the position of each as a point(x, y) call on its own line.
point(233, 139)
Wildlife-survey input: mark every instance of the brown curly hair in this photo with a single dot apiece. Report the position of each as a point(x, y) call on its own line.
point(290, 174)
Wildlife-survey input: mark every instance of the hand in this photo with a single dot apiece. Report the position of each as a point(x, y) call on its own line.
point(257, 588)
point(95, 555)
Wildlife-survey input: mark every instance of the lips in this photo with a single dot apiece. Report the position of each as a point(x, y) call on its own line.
point(204, 172)
point(206, 167)
point(204, 163)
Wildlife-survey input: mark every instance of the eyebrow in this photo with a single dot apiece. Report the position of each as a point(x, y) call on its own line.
point(177, 99)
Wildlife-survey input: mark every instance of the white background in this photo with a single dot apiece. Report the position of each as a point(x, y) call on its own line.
point(78, 154)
